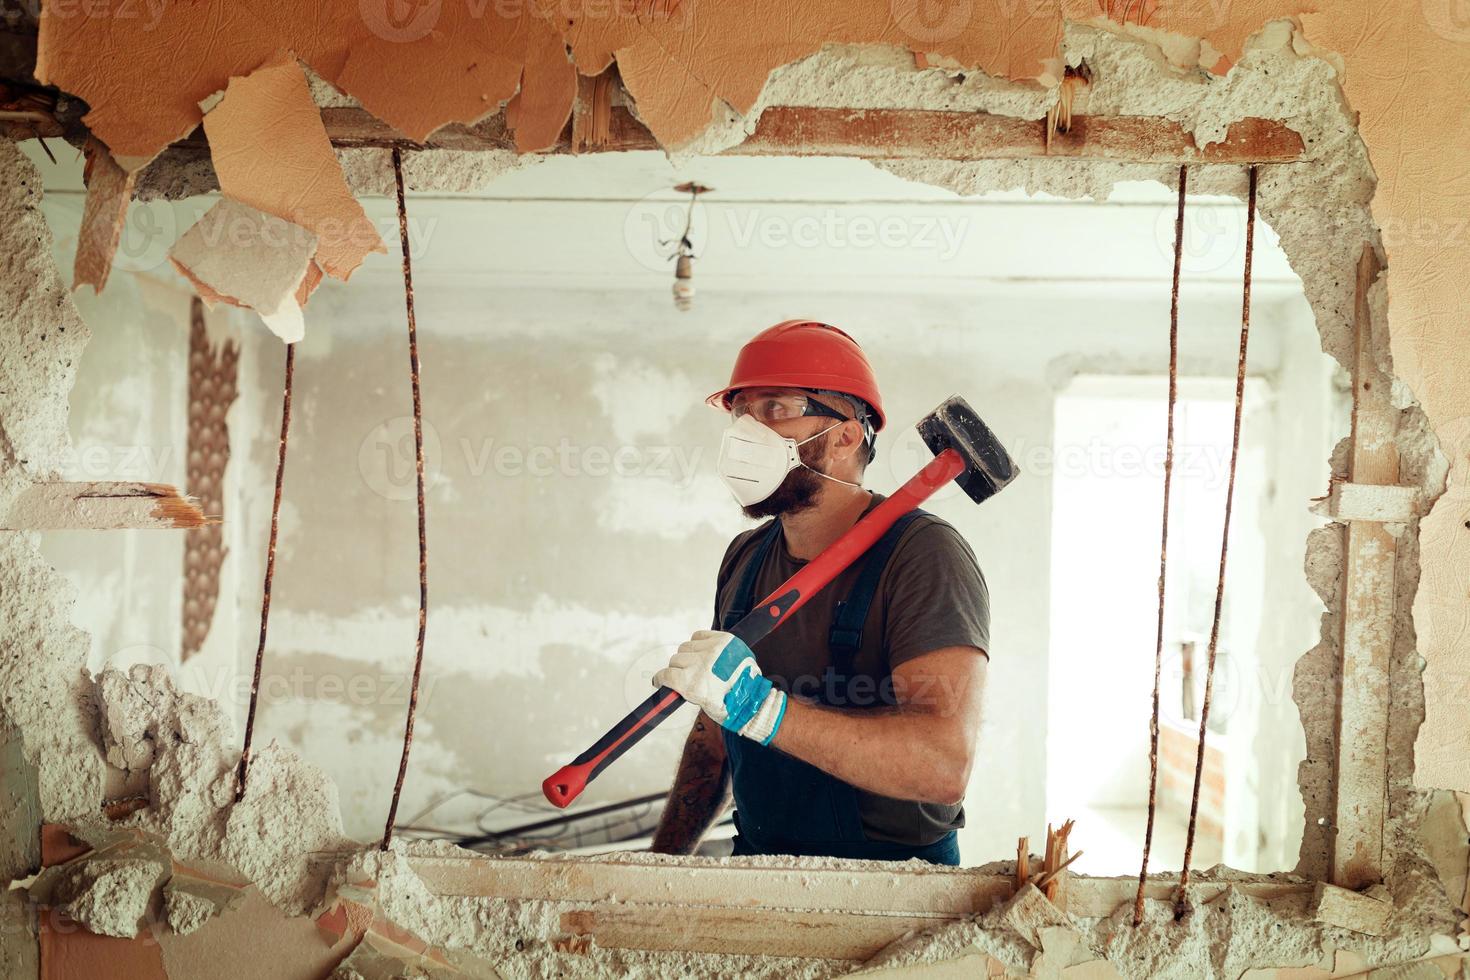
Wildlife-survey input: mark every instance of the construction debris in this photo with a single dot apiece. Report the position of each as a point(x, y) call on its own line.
point(107, 890)
point(190, 899)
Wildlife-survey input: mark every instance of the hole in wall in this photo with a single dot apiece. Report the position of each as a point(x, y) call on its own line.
point(575, 520)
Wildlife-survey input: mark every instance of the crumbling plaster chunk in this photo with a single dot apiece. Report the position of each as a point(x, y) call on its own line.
point(289, 812)
point(108, 896)
point(185, 911)
point(140, 709)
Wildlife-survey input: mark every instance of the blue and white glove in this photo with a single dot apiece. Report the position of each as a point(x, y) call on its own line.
point(718, 672)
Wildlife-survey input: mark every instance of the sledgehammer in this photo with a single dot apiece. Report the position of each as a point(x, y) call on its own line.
point(965, 451)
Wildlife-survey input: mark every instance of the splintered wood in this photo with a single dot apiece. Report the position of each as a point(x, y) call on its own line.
point(102, 506)
point(1049, 879)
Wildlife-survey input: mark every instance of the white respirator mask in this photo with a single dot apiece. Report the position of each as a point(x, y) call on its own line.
point(754, 459)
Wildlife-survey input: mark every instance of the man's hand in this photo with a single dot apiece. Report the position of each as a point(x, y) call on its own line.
point(718, 672)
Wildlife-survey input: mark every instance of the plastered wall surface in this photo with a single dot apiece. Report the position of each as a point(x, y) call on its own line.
point(1381, 48)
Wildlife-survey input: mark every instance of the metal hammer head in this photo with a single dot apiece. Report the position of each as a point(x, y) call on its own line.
point(955, 425)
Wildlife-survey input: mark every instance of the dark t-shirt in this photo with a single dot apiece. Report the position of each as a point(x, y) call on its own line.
point(931, 595)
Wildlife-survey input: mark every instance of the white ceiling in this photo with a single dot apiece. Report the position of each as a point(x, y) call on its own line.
point(607, 221)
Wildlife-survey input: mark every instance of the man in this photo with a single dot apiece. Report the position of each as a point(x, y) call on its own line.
point(849, 731)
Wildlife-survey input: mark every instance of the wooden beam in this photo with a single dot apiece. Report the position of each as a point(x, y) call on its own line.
point(101, 506)
point(884, 134)
point(1367, 617)
point(935, 135)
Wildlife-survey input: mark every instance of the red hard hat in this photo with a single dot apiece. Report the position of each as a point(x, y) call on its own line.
point(803, 354)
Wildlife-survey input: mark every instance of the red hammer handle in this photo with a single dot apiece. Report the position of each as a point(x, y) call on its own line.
point(567, 783)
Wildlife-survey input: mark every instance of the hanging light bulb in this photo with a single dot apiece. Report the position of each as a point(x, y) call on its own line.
point(683, 254)
point(684, 282)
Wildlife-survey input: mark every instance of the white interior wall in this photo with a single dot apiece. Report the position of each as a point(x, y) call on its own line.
point(554, 594)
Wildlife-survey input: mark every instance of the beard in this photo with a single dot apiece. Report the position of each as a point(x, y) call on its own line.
point(799, 491)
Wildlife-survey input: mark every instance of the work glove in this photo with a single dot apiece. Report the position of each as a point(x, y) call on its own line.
point(718, 672)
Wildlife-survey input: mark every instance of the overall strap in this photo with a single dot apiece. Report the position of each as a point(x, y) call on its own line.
point(845, 638)
point(745, 596)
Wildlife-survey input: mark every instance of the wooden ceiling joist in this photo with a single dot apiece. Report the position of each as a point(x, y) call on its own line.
point(884, 134)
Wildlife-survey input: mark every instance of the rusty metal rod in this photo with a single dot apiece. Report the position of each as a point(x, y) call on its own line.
point(1153, 728)
point(270, 572)
point(1180, 906)
point(418, 445)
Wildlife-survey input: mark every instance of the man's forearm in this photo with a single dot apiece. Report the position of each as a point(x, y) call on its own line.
point(905, 753)
point(920, 750)
point(700, 791)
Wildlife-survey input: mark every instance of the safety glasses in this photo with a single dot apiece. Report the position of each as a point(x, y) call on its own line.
point(774, 405)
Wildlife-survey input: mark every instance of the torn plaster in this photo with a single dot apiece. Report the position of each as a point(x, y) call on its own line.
point(245, 257)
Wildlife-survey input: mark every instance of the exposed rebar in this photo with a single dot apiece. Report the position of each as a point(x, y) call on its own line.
point(418, 445)
point(1153, 728)
point(270, 572)
point(1204, 715)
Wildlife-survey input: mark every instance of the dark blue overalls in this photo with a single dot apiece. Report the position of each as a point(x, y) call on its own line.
point(784, 805)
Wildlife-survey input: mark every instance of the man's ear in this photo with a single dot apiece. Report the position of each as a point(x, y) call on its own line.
point(851, 438)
